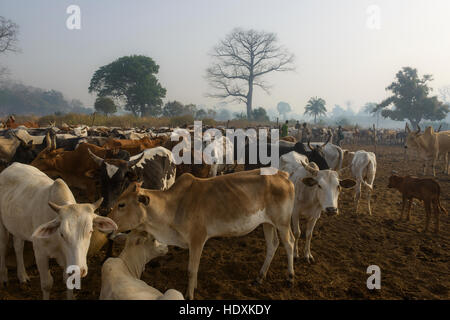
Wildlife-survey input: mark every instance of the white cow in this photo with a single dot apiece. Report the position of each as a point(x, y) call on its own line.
point(364, 168)
point(216, 154)
point(121, 276)
point(35, 208)
point(316, 191)
point(291, 161)
point(333, 155)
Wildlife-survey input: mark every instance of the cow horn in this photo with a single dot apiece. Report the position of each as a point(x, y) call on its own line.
point(418, 128)
point(407, 128)
point(308, 168)
point(439, 129)
point(132, 163)
point(328, 140)
point(96, 159)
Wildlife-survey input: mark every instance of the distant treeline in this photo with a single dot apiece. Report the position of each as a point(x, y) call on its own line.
point(16, 98)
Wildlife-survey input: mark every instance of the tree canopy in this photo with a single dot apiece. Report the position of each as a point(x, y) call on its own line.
point(315, 107)
point(105, 105)
point(132, 80)
point(410, 99)
point(283, 108)
point(241, 60)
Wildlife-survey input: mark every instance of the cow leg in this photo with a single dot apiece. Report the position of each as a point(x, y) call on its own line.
point(369, 196)
point(436, 216)
point(446, 163)
point(408, 213)
point(287, 238)
point(309, 230)
point(357, 195)
point(4, 235)
point(428, 214)
point(195, 252)
point(272, 242)
point(18, 248)
point(44, 272)
point(403, 207)
point(296, 229)
point(433, 165)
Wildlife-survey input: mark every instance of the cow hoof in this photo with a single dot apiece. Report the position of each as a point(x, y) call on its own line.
point(258, 281)
point(310, 259)
point(289, 283)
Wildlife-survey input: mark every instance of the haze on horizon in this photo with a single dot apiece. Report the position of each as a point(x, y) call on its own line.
point(338, 58)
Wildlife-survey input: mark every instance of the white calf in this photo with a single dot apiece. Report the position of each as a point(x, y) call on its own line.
point(121, 276)
point(364, 168)
point(316, 191)
point(35, 208)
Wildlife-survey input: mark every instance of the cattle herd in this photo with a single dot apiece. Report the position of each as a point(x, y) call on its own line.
point(148, 201)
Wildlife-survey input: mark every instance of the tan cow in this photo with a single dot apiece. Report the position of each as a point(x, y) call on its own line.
point(429, 145)
point(194, 210)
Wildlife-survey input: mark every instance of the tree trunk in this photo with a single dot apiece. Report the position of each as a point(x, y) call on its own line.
point(315, 118)
point(250, 98)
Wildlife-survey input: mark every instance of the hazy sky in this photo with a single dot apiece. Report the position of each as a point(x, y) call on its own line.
point(337, 56)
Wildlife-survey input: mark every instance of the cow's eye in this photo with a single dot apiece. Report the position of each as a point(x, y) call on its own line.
point(62, 236)
point(121, 205)
point(319, 186)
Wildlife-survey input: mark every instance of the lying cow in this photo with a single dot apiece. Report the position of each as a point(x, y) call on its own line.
point(427, 190)
point(316, 191)
point(195, 210)
point(35, 208)
point(121, 275)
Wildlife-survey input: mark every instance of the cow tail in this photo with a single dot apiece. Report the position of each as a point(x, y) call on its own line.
point(441, 207)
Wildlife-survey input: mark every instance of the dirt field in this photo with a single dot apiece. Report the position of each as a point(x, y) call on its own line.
point(413, 265)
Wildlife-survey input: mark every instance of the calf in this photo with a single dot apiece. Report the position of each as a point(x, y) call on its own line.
point(364, 168)
point(316, 191)
point(121, 275)
point(35, 208)
point(195, 210)
point(425, 189)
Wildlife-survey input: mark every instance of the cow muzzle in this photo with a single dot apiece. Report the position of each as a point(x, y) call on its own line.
point(331, 211)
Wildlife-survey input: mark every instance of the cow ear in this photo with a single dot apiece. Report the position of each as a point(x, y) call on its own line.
point(347, 183)
point(309, 181)
point(104, 224)
point(144, 199)
point(47, 229)
point(54, 206)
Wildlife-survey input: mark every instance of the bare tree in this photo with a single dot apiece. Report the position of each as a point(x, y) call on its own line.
point(8, 40)
point(239, 62)
point(8, 35)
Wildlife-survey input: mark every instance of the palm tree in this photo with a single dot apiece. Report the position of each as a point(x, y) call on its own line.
point(315, 107)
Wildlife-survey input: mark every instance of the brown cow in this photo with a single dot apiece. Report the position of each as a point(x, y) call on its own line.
point(75, 167)
point(425, 189)
point(135, 147)
point(194, 210)
point(11, 123)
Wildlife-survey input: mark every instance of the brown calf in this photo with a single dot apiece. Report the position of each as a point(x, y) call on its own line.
point(425, 189)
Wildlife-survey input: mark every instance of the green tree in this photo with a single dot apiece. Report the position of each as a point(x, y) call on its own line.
point(410, 99)
point(260, 114)
point(240, 62)
point(201, 114)
point(105, 105)
point(131, 79)
point(315, 107)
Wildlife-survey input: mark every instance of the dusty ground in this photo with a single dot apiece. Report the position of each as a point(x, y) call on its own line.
point(413, 265)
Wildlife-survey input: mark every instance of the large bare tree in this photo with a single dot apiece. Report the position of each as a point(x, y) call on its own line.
point(8, 35)
point(241, 60)
point(8, 39)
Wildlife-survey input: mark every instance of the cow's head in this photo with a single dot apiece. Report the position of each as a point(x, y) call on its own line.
point(316, 154)
point(115, 176)
point(72, 229)
point(25, 153)
point(131, 208)
point(412, 138)
point(395, 181)
point(143, 246)
point(327, 186)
